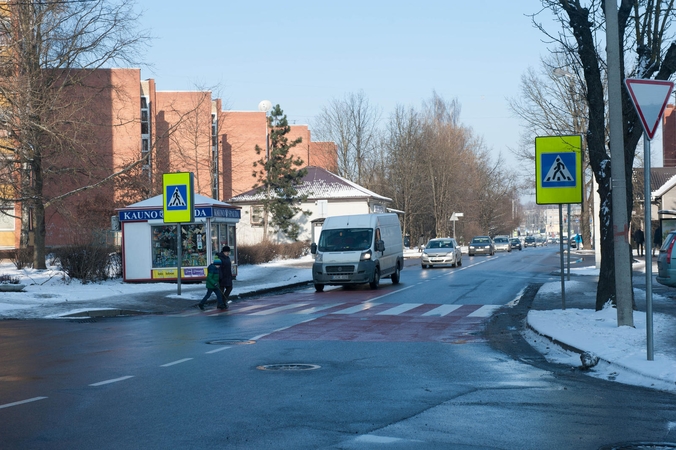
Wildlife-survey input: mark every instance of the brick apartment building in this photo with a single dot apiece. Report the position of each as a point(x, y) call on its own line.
point(178, 131)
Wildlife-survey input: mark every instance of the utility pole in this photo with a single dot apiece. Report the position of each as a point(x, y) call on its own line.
point(623, 294)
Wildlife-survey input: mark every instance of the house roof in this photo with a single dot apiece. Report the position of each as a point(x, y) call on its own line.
point(319, 184)
point(662, 179)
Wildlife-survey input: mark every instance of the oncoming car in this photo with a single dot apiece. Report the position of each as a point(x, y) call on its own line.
point(530, 242)
point(441, 251)
point(516, 243)
point(481, 245)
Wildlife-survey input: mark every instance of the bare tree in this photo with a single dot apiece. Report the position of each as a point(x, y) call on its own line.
point(48, 93)
point(352, 123)
point(643, 29)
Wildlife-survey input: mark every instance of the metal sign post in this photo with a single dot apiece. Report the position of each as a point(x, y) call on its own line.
point(649, 98)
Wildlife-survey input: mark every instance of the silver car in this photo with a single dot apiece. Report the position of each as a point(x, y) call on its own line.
point(666, 262)
point(441, 252)
point(502, 244)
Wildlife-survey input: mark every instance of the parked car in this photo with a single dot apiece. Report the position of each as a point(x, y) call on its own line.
point(666, 261)
point(516, 243)
point(441, 251)
point(530, 242)
point(481, 245)
point(502, 244)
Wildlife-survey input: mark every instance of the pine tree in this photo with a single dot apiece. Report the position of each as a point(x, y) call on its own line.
point(279, 176)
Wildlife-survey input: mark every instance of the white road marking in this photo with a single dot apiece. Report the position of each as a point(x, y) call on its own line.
point(278, 309)
point(356, 309)
point(399, 309)
point(442, 310)
point(218, 350)
point(176, 362)
point(484, 311)
point(249, 308)
point(34, 399)
point(318, 308)
point(114, 380)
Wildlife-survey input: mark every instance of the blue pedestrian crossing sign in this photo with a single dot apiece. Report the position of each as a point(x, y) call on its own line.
point(178, 197)
point(558, 170)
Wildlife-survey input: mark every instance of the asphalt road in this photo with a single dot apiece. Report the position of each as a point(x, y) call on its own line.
point(434, 362)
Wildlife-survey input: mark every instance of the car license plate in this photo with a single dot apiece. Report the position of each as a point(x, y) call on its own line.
point(339, 277)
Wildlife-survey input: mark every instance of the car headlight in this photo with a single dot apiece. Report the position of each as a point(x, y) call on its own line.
point(366, 256)
point(471, 247)
point(318, 257)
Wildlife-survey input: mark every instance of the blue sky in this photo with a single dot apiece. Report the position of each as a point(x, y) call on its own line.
point(301, 54)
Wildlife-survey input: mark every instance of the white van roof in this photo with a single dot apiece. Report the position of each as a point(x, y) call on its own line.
point(360, 221)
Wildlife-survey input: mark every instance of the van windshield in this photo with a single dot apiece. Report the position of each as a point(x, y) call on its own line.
point(345, 239)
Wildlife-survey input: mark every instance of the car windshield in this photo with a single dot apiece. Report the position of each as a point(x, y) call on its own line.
point(514, 240)
point(482, 240)
point(345, 239)
point(440, 244)
point(500, 240)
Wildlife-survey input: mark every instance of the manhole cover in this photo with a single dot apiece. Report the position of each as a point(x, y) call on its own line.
point(288, 367)
point(640, 446)
point(232, 342)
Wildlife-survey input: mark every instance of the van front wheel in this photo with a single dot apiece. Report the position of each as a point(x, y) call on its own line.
point(319, 287)
point(376, 279)
point(395, 275)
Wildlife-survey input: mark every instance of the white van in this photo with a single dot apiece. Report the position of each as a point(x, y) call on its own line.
point(356, 249)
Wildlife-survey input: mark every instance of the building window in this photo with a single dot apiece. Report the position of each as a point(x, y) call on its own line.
point(256, 215)
point(193, 251)
point(7, 218)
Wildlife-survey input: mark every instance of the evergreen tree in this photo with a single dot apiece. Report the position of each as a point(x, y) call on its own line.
point(279, 175)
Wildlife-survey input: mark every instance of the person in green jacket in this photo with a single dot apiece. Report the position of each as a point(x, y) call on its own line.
point(213, 271)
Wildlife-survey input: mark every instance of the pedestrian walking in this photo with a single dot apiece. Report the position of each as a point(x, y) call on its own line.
point(639, 239)
point(213, 285)
point(657, 240)
point(225, 280)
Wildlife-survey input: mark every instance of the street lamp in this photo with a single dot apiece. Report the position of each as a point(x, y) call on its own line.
point(454, 218)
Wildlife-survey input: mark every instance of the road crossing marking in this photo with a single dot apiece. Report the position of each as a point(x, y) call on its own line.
point(278, 309)
point(484, 311)
point(442, 310)
point(399, 309)
point(318, 308)
point(358, 308)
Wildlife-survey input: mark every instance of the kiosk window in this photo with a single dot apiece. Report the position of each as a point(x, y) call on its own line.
point(193, 249)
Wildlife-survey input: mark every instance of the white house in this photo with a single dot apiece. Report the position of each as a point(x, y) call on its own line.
point(328, 195)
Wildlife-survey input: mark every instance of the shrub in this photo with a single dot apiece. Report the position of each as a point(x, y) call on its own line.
point(8, 279)
point(268, 251)
point(22, 257)
point(89, 263)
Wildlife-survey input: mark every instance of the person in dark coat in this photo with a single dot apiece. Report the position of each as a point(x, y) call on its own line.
point(213, 277)
point(639, 238)
point(657, 239)
point(225, 280)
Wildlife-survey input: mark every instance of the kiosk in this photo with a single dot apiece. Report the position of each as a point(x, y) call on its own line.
point(149, 246)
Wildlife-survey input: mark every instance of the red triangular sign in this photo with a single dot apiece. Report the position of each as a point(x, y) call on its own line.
point(650, 98)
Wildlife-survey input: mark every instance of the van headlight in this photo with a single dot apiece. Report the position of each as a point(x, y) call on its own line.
point(366, 256)
point(318, 257)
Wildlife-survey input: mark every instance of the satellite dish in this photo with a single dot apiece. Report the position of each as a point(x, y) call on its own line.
point(265, 106)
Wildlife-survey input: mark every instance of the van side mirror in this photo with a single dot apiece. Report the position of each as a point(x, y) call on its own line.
point(313, 248)
point(380, 246)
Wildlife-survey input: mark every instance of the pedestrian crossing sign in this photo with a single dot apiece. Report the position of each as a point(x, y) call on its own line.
point(178, 197)
point(558, 170)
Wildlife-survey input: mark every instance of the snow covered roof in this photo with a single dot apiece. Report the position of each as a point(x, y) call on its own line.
point(158, 201)
point(666, 187)
point(319, 184)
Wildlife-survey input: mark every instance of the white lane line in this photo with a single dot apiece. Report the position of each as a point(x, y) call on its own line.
point(114, 380)
point(396, 292)
point(34, 399)
point(399, 309)
point(442, 310)
point(318, 308)
point(278, 309)
point(176, 362)
point(356, 309)
point(218, 350)
point(255, 338)
point(249, 308)
point(484, 311)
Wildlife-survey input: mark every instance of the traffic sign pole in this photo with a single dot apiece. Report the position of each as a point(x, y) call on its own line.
point(647, 249)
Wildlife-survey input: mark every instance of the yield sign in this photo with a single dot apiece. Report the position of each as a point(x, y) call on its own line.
point(649, 98)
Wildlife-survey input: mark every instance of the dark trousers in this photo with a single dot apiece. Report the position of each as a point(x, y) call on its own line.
point(639, 248)
point(226, 292)
point(219, 296)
